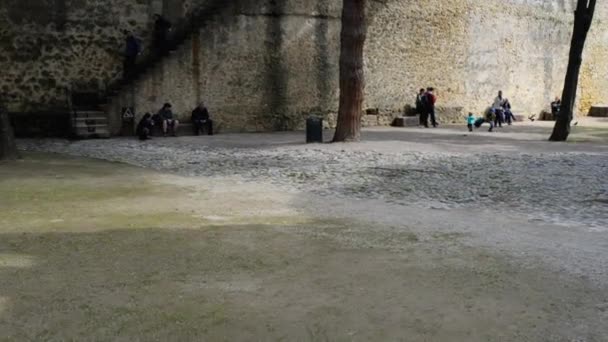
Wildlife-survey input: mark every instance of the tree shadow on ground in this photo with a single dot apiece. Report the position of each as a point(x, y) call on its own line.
point(152, 284)
point(293, 282)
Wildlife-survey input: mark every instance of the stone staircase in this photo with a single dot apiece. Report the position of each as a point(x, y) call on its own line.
point(90, 124)
point(181, 33)
point(89, 118)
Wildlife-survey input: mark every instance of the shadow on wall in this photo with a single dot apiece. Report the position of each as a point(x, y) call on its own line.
point(324, 69)
point(276, 75)
point(277, 115)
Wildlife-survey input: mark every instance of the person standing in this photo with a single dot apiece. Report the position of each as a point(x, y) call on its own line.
point(161, 31)
point(491, 118)
point(420, 109)
point(498, 108)
point(132, 50)
point(430, 101)
point(201, 120)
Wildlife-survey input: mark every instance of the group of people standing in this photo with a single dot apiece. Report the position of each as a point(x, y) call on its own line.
point(165, 118)
point(425, 106)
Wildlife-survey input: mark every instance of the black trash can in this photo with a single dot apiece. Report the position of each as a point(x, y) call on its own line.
point(314, 130)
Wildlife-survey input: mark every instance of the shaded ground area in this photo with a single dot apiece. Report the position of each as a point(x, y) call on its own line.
point(105, 251)
point(514, 169)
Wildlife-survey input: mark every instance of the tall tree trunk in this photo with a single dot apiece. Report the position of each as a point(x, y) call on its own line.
point(8, 148)
point(583, 16)
point(352, 80)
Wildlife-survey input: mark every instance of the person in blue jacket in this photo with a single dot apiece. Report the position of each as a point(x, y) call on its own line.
point(470, 122)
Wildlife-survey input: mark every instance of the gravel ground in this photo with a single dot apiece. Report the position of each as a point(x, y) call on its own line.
point(558, 187)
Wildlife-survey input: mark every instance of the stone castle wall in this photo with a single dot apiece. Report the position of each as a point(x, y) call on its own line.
point(267, 64)
point(48, 46)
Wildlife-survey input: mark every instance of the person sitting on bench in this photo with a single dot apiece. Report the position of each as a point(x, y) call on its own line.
point(201, 120)
point(556, 106)
point(144, 127)
point(166, 116)
point(509, 116)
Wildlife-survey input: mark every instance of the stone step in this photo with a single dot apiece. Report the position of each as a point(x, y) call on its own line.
point(97, 119)
point(91, 133)
point(520, 117)
point(85, 125)
point(100, 116)
point(89, 113)
point(406, 121)
point(598, 111)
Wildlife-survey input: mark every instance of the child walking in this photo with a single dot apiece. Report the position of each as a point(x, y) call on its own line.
point(470, 122)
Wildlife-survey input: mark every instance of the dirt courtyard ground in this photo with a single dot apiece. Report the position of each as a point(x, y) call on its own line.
point(199, 250)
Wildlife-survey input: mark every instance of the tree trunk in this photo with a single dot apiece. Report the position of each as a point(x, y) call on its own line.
point(8, 148)
point(583, 16)
point(352, 81)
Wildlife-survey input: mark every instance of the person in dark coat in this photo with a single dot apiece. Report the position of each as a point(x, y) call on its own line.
point(161, 32)
point(201, 120)
point(420, 110)
point(144, 127)
point(556, 106)
point(132, 50)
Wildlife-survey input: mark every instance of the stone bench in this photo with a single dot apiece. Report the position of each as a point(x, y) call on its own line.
point(599, 111)
point(184, 129)
point(406, 121)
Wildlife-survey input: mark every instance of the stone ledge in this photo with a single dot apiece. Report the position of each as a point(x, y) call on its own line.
point(447, 115)
point(600, 111)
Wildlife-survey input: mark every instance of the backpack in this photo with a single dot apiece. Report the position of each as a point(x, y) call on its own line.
point(425, 101)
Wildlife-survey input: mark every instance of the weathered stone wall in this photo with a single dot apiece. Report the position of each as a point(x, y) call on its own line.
point(266, 64)
point(262, 67)
point(259, 66)
point(47, 46)
point(470, 49)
